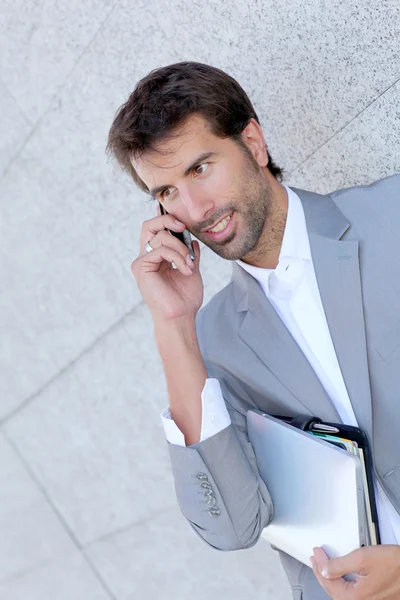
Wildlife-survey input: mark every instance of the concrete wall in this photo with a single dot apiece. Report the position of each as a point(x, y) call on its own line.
point(87, 507)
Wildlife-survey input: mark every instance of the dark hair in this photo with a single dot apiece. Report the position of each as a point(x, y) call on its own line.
point(165, 98)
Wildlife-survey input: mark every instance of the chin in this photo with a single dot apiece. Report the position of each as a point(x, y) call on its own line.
point(228, 253)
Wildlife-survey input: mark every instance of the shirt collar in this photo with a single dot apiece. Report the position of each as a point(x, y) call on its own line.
point(295, 243)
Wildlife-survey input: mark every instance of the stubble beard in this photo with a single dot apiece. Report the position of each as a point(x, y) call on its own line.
point(254, 234)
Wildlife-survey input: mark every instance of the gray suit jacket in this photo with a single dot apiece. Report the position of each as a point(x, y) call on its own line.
point(355, 244)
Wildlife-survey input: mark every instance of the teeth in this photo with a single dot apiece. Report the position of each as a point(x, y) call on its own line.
point(221, 225)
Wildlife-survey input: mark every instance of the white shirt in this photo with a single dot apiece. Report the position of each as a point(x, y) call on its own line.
point(293, 291)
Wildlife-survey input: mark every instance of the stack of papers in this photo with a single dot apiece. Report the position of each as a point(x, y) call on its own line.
point(353, 448)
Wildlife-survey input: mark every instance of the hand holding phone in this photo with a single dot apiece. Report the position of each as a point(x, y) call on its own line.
point(170, 295)
point(183, 236)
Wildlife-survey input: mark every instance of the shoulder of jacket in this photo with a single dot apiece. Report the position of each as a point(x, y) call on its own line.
point(390, 184)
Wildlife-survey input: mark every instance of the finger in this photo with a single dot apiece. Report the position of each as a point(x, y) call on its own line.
point(158, 210)
point(151, 227)
point(321, 558)
point(164, 238)
point(335, 588)
point(354, 562)
point(196, 248)
point(151, 260)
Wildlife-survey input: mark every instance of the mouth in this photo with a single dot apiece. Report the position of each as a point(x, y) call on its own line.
point(221, 229)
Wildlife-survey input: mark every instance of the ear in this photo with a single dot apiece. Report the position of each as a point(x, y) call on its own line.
point(253, 137)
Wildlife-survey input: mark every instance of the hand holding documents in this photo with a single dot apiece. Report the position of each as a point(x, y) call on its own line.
point(319, 476)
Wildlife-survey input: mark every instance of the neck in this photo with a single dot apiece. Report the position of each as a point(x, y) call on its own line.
point(266, 253)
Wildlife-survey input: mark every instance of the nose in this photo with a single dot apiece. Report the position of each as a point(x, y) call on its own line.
point(198, 203)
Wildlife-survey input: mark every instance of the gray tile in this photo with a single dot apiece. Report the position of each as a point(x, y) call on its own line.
point(30, 531)
point(68, 578)
point(365, 151)
point(147, 368)
point(63, 284)
point(13, 126)
point(41, 42)
point(165, 554)
point(94, 440)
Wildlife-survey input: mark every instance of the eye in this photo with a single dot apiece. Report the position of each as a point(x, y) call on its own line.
point(165, 194)
point(200, 169)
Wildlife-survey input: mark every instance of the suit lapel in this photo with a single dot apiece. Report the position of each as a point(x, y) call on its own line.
point(337, 271)
point(265, 333)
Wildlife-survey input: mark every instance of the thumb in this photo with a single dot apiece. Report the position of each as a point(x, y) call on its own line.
point(343, 565)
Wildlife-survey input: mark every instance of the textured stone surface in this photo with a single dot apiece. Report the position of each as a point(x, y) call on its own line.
point(163, 557)
point(40, 44)
point(94, 440)
point(30, 531)
point(62, 283)
point(14, 127)
point(366, 150)
point(68, 578)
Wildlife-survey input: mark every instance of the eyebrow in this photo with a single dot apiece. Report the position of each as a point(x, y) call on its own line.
point(194, 164)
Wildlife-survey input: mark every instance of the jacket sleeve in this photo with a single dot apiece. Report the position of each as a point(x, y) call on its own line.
point(217, 483)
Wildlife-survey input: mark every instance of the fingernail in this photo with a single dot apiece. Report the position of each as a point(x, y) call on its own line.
point(178, 222)
point(324, 572)
point(189, 261)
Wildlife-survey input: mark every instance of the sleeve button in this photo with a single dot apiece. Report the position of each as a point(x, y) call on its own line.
point(209, 493)
point(214, 512)
point(206, 485)
point(211, 501)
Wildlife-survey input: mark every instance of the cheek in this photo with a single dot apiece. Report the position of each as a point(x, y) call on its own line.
point(221, 184)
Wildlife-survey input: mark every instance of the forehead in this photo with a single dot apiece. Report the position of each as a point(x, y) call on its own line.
point(173, 154)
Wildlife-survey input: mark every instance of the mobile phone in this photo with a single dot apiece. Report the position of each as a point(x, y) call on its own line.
point(183, 236)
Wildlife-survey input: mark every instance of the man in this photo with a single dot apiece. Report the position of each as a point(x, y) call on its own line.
point(308, 323)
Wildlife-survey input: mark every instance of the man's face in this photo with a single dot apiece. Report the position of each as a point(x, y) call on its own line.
point(213, 185)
